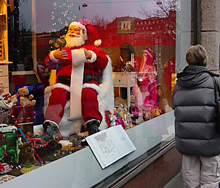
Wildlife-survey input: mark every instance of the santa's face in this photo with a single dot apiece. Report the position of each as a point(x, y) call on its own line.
point(75, 36)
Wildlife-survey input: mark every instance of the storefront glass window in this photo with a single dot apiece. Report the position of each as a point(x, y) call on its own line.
point(138, 48)
point(144, 41)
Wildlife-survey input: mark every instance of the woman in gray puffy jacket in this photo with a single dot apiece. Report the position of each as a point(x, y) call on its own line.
point(195, 122)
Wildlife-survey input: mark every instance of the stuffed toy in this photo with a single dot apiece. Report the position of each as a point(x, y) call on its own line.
point(117, 118)
point(119, 101)
point(25, 98)
point(156, 112)
point(108, 114)
point(132, 100)
point(114, 119)
point(52, 132)
point(77, 140)
point(26, 154)
point(129, 121)
point(133, 109)
point(147, 115)
point(6, 103)
point(46, 153)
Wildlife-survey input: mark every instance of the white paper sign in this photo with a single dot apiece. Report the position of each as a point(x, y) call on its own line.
point(110, 145)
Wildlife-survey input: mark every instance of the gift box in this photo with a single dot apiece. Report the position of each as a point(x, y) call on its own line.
point(37, 113)
point(9, 145)
point(23, 114)
point(26, 127)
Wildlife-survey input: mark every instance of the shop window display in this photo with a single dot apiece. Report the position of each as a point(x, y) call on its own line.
point(133, 47)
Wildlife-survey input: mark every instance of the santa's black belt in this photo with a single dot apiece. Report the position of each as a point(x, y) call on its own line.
point(86, 78)
point(90, 77)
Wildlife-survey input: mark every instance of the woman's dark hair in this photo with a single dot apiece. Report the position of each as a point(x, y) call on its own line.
point(197, 55)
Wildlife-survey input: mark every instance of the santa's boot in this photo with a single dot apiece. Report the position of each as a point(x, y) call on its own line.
point(51, 131)
point(93, 126)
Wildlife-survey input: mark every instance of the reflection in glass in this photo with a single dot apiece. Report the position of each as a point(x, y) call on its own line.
point(140, 40)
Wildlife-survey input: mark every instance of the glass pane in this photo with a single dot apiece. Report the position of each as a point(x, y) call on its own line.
point(145, 41)
point(140, 40)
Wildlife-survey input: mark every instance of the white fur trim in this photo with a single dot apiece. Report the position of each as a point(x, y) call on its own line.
point(52, 56)
point(98, 42)
point(68, 126)
point(78, 56)
point(47, 92)
point(91, 120)
point(93, 86)
point(106, 96)
point(57, 85)
point(107, 81)
point(78, 25)
point(51, 122)
point(94, 57)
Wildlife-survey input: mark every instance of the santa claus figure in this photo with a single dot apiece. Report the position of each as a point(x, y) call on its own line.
point(81, 62)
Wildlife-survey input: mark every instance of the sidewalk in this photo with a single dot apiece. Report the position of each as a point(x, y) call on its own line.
point(176, 182)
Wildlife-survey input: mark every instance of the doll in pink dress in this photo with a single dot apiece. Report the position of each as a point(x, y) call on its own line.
point(147, 79)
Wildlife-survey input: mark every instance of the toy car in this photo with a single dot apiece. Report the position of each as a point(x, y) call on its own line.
point(5, 128)
point(5, 168)
point(66, 145)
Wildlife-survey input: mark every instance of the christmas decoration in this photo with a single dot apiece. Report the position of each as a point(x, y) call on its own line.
point(62, 14)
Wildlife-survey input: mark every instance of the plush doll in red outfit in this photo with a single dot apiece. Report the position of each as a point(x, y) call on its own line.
point(79, 77)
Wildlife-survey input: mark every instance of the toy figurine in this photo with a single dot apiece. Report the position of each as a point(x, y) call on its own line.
point(136, 111)
point(26, 154)
point(5, 105)
point(25, 97)
point(79, 78)
point(155, 111)
point(147, 115)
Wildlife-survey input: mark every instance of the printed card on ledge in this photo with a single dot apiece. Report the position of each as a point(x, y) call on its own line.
point(110, 145)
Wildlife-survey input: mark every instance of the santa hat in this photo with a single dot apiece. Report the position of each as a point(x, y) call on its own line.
point(89, 29)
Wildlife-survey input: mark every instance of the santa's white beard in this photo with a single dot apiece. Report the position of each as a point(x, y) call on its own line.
point(74, 42)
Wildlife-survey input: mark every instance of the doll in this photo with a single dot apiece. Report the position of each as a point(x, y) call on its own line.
point(6, 105)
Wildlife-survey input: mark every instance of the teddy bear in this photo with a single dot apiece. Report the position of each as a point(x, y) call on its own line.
point(132, 100)
point(25, 98)
point(118, 101)
point(26, 154)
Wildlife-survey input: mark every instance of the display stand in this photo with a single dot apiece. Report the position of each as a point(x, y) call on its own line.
point(110, 145)
point(128, 80)
point(81, 169)
point(4, 46)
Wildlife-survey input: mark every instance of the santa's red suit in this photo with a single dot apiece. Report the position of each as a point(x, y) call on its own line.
point(74, 70)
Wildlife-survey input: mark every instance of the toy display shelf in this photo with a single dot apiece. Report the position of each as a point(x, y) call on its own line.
point(4, 62)
point(81, 169)
point(127, 80)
